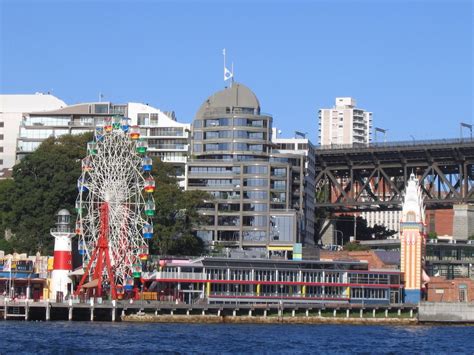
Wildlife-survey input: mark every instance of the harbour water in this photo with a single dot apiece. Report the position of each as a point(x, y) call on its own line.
point(133, 338)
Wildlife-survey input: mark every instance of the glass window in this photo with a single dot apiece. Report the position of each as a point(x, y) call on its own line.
point(256, 195)
point(197, 124)
point(255, 207)
point(255, 221)
point(281, 228)
point(197, 148)
point(228, 220)
point(241, 134)
point(101, 108)
point(257, 135)
point(229, 207)
point(255, 169)
point(256, 147)
point(228, 236)
point(256, 182)
point(278, 185)
point(142, 119)
point(255, 236)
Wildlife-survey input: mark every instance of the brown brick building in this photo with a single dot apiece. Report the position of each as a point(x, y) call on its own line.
point(456, 290)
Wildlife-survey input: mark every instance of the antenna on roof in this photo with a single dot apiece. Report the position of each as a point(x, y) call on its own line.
point(101, 96)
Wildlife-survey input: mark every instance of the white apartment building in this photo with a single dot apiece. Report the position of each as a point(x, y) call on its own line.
point(344, 124)
point(389, 219)
point(12, 108)
point(167, 139)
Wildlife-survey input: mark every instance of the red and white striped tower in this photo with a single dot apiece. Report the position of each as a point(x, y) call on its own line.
point(60, 281)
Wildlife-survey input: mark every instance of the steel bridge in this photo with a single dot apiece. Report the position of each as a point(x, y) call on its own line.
point(352, 178)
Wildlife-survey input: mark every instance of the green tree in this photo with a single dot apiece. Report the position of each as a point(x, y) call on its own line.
point(355, 247)
point(432, 235)
point(320, 214)
point(345, 223)
point(43, 182)
point(176, 214)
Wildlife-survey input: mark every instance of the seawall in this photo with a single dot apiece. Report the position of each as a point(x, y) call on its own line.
point(446, 312)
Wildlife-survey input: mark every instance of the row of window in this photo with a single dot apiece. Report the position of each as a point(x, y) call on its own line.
point(198, 135)
point(216, 147)
point(223, 122)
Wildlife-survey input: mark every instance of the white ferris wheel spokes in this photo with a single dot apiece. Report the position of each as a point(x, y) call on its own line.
point(116, 172)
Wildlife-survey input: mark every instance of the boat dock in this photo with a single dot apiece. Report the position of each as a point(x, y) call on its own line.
point(118, 310)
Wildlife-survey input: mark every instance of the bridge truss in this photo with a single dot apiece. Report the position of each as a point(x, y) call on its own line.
point(360, 178)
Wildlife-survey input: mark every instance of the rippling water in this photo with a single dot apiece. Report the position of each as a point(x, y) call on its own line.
point(83, 337)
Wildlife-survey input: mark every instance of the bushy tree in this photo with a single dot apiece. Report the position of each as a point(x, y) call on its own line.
point(345, 223)
point(44, 182)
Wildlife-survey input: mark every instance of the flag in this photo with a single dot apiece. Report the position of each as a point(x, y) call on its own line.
point(227, 74)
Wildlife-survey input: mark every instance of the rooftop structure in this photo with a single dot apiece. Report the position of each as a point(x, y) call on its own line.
point(344, 124)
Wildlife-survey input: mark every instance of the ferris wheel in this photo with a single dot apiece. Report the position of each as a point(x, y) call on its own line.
point(115, 204)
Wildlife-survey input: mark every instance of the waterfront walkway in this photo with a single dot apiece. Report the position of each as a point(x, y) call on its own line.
point(123, 310)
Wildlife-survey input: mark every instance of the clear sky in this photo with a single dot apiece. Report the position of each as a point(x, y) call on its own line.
point(409, 62)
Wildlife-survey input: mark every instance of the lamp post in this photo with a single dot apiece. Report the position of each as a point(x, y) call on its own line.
point(465, 125)
point(381, 130)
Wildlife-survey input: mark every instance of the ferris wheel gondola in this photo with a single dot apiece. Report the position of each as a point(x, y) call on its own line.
point(115, 204)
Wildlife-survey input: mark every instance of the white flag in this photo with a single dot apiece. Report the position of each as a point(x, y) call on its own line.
point(227, 74)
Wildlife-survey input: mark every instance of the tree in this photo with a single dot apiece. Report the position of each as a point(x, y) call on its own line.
point(320, 214)
point(432, 235)
point(43, 182)
point(355, 247)
point(176, 216)
point(345, 223)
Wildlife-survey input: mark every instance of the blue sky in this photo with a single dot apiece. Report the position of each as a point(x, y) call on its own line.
point(409, 62)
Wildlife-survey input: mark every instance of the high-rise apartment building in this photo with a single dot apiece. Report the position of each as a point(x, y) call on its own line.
point(12, 108)
point(258, 191)
point(301, 147)
point(344, 124)
point(167, 139)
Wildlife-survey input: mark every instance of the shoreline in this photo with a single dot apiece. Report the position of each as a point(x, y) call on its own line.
point(223, 319)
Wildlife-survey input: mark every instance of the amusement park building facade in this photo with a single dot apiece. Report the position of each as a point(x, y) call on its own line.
point(167, 139)
point(258, 191)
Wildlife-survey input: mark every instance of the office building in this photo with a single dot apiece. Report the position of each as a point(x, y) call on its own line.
point(255, 203)
point(344, 124)
point(12, 108)
point(304, 148)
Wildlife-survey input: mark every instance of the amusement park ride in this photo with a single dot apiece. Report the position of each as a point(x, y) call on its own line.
point(114, 208)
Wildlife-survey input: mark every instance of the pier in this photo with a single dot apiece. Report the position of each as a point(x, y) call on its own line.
point(125, 310)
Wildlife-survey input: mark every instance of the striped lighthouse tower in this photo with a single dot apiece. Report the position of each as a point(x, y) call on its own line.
point(60, 281)
point(412, 241)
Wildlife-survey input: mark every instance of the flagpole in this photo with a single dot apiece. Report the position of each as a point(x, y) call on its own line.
point(233, 75)
point(223, 52)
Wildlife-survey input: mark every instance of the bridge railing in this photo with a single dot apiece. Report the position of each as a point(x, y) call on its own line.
point(394, 144)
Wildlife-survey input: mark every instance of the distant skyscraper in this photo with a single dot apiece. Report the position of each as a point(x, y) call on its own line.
point(344, 123)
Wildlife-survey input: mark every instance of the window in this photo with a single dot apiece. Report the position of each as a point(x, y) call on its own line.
point(101, 108)
point(255, 221)
point(255, 169)
point(142, 119)
point(256, 182)
point(228, 220)
point(2, 124)
point(256, 195)
point(255, 207)
point(229, 207)
point(1, 137)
